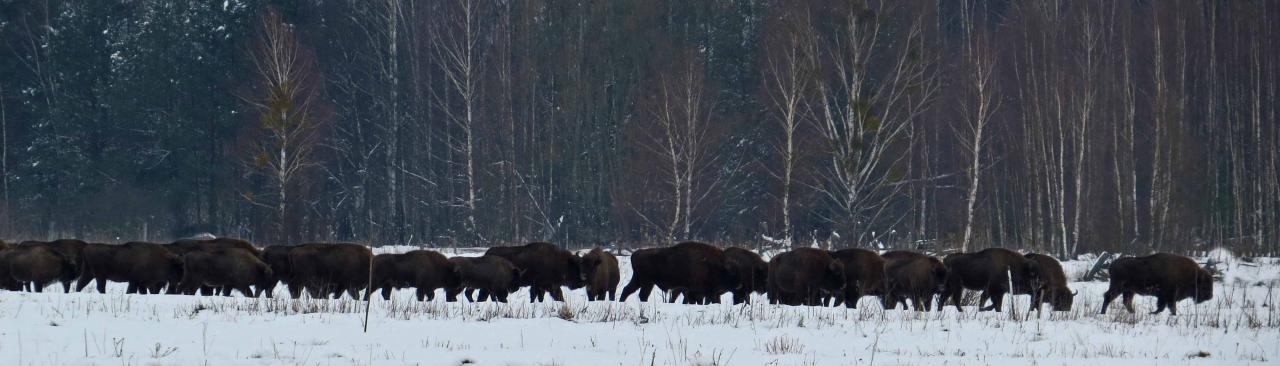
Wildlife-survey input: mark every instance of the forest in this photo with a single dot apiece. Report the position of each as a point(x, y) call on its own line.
point(1056, 126)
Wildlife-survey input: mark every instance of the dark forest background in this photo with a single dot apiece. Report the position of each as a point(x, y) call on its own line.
point(1059, 126)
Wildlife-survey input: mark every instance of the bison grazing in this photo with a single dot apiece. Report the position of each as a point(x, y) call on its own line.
point(1053, 284)
point(752, 271)
point(863, 272)
point(424, 270)
point(698, 270)
point(1168, 277)
point(228, 269)
point(495, 277)
point(915, 276)
point(146, 267)
point(321, 268)
point(992, 271)
point(546, 267)
point(35, 266)
point(70, 249)
point(803, 275)
point(601, 271)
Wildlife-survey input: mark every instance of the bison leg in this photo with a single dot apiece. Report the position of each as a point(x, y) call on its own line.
point(386, 294)
point(631, 288)
point(1107, 297)
point(66, 286)
point(557, 294)
point(740, 296)
point(132, 289)
point(468, 293)
point(644, 293)
point(1128, 302)
point(485, 295)
point(83, 282)
point(420, 293)
point(611, 292)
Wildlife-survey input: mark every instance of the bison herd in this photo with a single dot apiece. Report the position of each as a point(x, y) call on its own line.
point(697, 272)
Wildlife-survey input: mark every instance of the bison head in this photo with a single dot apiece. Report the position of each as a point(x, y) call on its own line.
point(576, 278)
point(833, 279)
point(1204, 285)
point(939, 273)
point(1061, 299)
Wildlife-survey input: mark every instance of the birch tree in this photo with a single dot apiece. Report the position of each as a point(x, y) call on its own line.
point(289, 115)
point(977, 107)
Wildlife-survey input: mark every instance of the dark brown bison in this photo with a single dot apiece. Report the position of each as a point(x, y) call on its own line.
point(423, 270)
point(601, 271)
point(227, 269)
point(914, 276)
point(71, 250)
point(863, 272)
point(750, 269)
point(802, 275)
point(320, 268)
point(697, 270)
point(992, 271)
point(35, 266)
point(1168, 277)
point(495, 277)
point(185, 246)
point(1053, 285)
point(546, 267)
point(146, 267)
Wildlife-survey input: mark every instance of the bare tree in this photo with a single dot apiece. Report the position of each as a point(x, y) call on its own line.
point(289, 114)
point(461, 56)
point(877, 83)
point(979, 105)
point(789, 72)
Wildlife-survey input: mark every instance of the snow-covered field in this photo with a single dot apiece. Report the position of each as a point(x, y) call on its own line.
point(1239, 326)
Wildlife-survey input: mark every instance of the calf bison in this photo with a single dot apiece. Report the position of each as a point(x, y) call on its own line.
point(71, 250)
point(698, 270)
point(863, 272)
point(34, 267)
point(146, 267)
point(495, 277)
point(914, 276)
point(601, 271)
point(1168, 277)
point(228, 269)
point(802, 275)
point(994, 271)
point(1053, 284)
point(546, 267)
point(320, 268)
point(752, 272)
point(424, 270)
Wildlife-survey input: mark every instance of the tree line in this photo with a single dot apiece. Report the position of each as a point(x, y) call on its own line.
point(1056, 126)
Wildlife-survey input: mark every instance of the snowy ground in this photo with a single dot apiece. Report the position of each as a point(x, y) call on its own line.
point(1239, 326)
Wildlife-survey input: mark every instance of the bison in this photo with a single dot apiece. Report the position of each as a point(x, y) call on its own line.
point(863, 272)
point(698, 270)
point(752, 271)
point(424, 270)
point(495, 277)
point(321, 268)
point(803, 275)
point(601, 271)
point(35, 266)
point(146, 267)
point(228, 269)
point(1053, 284)
point(184, 246)
point(546, 267)
point(914, 276)
point(992, 271)
point(1168, 277)
point(71, 250)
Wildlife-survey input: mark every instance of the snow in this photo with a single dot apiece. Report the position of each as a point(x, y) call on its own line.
point(1239, 326)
